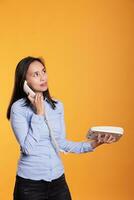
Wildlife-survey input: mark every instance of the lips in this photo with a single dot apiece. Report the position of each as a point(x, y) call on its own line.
point(43, 84)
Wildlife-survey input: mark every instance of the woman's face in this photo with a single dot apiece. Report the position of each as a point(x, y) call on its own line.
point(36, 77)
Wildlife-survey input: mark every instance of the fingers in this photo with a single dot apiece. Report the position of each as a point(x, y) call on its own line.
point(38, 98)
point(100, 139)
point(38, 103)
point(110, 139)
point(30, 98)
point(105, 138)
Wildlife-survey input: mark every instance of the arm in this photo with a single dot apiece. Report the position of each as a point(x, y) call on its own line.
point(27, 134)
point(70, 146)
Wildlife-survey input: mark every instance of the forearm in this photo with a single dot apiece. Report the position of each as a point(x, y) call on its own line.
point(27, 134)
point(74, 147)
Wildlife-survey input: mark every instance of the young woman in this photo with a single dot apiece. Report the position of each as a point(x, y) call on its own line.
point(40, 173)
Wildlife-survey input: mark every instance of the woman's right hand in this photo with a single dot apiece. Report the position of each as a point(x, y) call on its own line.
point(38, 103)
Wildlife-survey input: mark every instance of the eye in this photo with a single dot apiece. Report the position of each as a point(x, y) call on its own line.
point(36, 74)
point(44, 70)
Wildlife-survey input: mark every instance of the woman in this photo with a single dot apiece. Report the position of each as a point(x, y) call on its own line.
point(40, 173)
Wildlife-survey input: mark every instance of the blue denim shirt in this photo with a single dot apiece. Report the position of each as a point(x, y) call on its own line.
point(38, 158)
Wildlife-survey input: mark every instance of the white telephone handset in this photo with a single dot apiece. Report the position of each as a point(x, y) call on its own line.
point(28, 90)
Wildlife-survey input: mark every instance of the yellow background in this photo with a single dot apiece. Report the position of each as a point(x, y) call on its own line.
point(88, 48)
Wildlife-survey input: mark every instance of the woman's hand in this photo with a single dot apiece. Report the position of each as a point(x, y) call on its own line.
point(106, 138)
point(37, 102)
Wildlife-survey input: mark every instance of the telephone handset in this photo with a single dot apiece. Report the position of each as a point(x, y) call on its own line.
point(28, 90)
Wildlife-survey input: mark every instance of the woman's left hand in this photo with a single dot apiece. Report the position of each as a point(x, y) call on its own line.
point(106, 138)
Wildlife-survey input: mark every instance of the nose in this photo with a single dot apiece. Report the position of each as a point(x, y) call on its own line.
point(42, 77)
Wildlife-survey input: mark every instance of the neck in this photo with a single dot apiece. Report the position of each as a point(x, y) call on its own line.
point(39, 93)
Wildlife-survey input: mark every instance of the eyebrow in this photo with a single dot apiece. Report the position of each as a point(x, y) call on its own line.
point(38, 71)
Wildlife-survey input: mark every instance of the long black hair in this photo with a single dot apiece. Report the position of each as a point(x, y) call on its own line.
point(20, 76)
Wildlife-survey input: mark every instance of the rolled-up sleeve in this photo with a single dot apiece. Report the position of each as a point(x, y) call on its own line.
point(27, 134)
point(71, 146)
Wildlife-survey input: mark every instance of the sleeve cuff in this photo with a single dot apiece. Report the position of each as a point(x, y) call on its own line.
point(88, 147)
